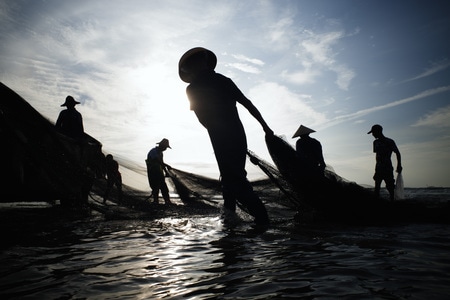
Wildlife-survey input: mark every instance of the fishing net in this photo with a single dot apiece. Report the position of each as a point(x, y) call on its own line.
point(193, 187)
point(399, 192)
point(38, 162)
point(324, 192)
point(46, 164)
point(276, 181)
point(285, 184)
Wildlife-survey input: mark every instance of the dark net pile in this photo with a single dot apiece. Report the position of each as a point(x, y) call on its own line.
point(36, 161)
point(285, 184)
point(325, 192)
point(51, 166)
point(193, 187)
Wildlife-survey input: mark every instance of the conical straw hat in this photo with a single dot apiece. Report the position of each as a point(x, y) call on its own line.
point(302, 130)
point(210, 57)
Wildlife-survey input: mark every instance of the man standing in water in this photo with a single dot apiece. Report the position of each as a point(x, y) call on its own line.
point(383, 148)
point(156, 171)
point(70, 121)
point(309, 153)
point(113, 177)
point(213, 98)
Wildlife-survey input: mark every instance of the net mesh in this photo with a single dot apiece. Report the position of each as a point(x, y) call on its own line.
point(54, 167)
point(37, 161)
point(318, 192)
point(193, 187)
point(285, 184)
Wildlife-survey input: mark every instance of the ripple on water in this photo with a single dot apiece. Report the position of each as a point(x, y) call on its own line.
point(200, 258)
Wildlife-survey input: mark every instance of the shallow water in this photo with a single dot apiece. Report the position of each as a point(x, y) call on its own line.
point(200, 258)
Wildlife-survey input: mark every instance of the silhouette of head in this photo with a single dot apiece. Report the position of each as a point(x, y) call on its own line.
point(303, 131)
point(376, 129)
point(195, 60)
point(70, 102)
point(164, 144)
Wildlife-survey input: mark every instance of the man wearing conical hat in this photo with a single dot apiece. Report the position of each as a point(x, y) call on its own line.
point(213, 98)
point(70, 121)
point(309, 152)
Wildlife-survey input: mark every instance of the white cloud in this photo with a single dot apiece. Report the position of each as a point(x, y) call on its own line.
point(319, 47)
point(344, 76)
point(285, 108)
point(244, 58)
point(317, 55)
point(433, 69)
point(364, 112)
point(279, 32)
point(244, 68)
point(438, 118)
point(303, 77)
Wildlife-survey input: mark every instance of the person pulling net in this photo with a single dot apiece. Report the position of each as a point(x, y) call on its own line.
point(321, 192)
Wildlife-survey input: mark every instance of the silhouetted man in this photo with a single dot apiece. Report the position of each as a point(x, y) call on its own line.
point(383, 148)
point(70, 121)
point(156, 171)
point(113, 177)
point(213, 98)
point(309, 152)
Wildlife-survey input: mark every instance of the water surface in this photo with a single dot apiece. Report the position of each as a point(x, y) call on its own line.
point(200, 258)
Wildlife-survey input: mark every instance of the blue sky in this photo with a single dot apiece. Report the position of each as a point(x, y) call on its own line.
point(335, 66)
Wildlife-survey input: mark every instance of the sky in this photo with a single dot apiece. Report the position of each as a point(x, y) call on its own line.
point(337, 67)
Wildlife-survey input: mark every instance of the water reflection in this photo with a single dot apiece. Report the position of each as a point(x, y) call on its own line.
point(199, 258)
